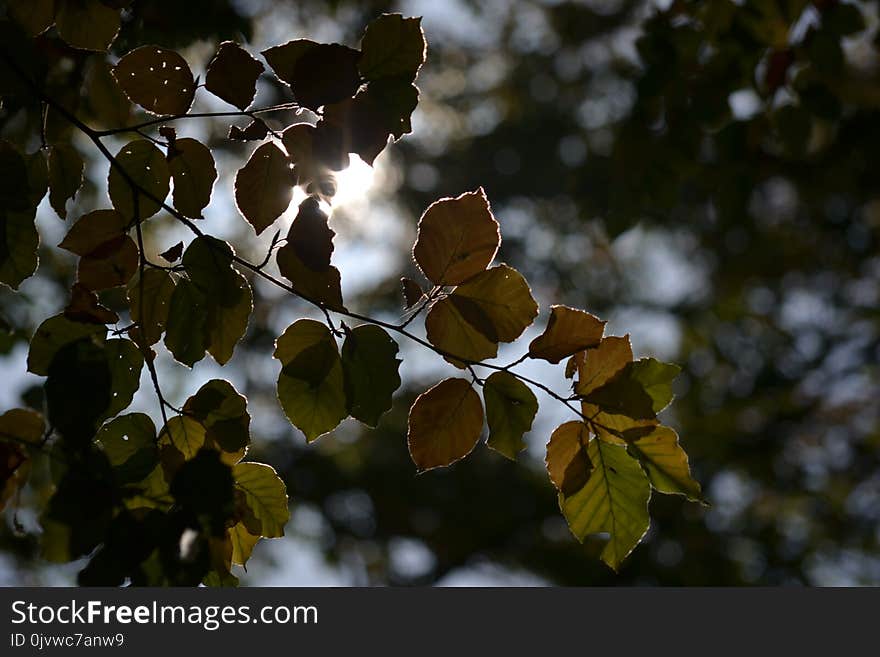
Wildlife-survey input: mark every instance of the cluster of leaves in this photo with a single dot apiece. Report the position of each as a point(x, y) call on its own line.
point(179, 506)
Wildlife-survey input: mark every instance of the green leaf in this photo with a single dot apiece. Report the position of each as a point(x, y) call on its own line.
point(149, 300)
point(598, 365)
point(232, 75)
point(53, 334)
point(665, 461)
point(265, 497)
point(125, 361)
point(228, 300)
point(457, 238)
point(602, 489)
point(222, 411)
point(157, 79)
point(264, 186)
point(510, 410)
point(79, 390)
point(568, 331)
point(129, 442)
point(392, 46)
point(311, 387)
point(640, 390)
point(65, 176)
point(494, 306)
point(19, 241)
point(185, 334)
point(87, 24)
point(370, 365)
point(192, 169)
point(145, 165)
point(318, 74)
point(445, 424)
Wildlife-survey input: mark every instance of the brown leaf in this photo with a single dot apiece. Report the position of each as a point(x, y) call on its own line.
point(568, 331)
point(157, 79)
point(85, 307)
point(318, 74)
point(232, 75)
point(192, 169)
point(311, 237)
point(264, 186)
point(412, 292)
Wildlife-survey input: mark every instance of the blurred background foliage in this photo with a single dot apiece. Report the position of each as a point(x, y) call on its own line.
point(704, 174)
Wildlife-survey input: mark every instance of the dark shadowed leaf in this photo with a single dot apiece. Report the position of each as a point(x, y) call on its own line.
point(85, 307)
point(185, 335)
point(192, 168)
point(412, 292)
point(35, 16)
point(18, 246)
point(510, 410)
point(65, 176)
point(445, 424)
point(256, 130)
point(232, 75)
point(129, 442)
point(173, 253)
point(149, 300)
point(598, 365)
point(311, 387)
point(458, 238)
point(53, 334)
point(370, 364)
point(86, 24)
point(264, 186)
point(310, 236)
point(157, 79)
point(640, 390)
point(145, 166)
point(317, 73)
point(392, 46)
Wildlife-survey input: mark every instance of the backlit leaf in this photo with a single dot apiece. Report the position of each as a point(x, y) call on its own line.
point(222, 411)
point(660, 453)
point(392, 46)
point(84, 307)
point(93, 230)
point(412, 292)
point(510, 410)
point(568, 331)
point(110, 265)
point(192, 168)
point(598, 365)
point(65, 176)
point(243, 543)
point(265, 496)
point(370, 364)
point(311, 387)
point(613, 496)
point(18, 246)
point(445, 424)
point(232, 75)
point(185, 334)
point(640, 390)
point(149, 300)
point(86, 24)
point(129, 442)
point(157, 79)
point(125, 362)
point(458, 238)
point(264, 186)
point(145, 165)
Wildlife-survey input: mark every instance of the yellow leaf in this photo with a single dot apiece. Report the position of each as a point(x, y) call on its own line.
point(265, 496)
point(600, 364)
point(666, 462)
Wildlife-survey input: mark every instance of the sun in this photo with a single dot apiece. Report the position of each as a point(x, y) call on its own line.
point(354, 183)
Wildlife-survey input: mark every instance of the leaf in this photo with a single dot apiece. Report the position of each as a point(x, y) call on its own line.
point(568, 331)
point(35, 16)
point(79, 390)
point(19, 427)
point(84, 307)
point(265, 496)
point(457, 238)
point(172, 254)
point(665, 461)
point(87, 24)
point(109, 105)
point(640, 390)
point(310, 237)
point(185, 334)
point(110, 265)
point(222, 411)
point(65, 176)
point(599, 364)
point(256, 130)
point(243, 543)
point(125, 362)
point(445, 424)
point(494, 306)
point(37, 169)
point(13, 179)
point(232, 75)
point(370, 366)
point(510, 410)
point(602, 489)
point(149, 300)
point(311, 387)
point(53, 334)
point(264, 187)
point(145, 165)
point(192, 167)
point(157, 79)
point(392, 46)
point(129, 442)
point(19, 241)
point(318, 74)
point(412, 292)
point(228, 300)
point(93, 230)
